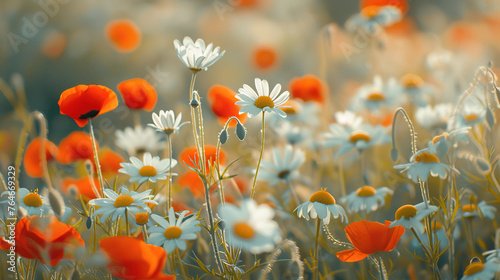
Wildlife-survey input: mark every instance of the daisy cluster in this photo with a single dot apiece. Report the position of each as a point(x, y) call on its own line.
point(357, 151)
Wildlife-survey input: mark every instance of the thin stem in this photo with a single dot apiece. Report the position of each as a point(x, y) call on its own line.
point(180, 263)
point(201, 136)
point(362, 167)
point(316, 245)
point(341, 176)
point(96, 157)
point(169, 202)
point(421, 243)
point(33, 271)
point(212, 229)
point(43, 154)
point(263, 132)
point(145, 233)
point(193, 116)
point(127, 229)
point(383, 273)
point(137, 118)
point(19, 154)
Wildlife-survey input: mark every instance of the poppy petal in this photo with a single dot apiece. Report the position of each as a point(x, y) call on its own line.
point(352, 255)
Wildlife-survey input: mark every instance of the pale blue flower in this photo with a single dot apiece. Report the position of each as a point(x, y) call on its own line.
point(366, 199)
point(173, 233)
point(410, 216)
point(361, 137)
point(115, 204)
point(321, 205)
point(284, 167)
point(371, 23)
point(250, 226)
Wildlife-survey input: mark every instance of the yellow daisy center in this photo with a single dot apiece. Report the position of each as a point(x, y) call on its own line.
point(376, 96)
point(469, 208)
point(283, 174)
point(370, 11)
point(123, 200)
point(242, 230)
point(365, 191)
point(33, 200)
point(406, 211)
point(359, 135)
point(289, 110)
point(471, 118)
point(173, 232)
point(426, 157)
point(151, 205)
point(168, 130)
point(473, 268)
point(263, 102)
point(141, 218)
point(412, 81)
point(322, 197)
point(147, 171)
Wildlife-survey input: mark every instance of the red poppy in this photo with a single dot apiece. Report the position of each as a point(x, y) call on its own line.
point(109, 161)
point(45, 239)
point(308, 88)
point(264, 57)
point(138, 94)
point(368, 238)
point(32, 161)
point(124, 35)
point(132, 258)
point(82, 187)
point(221, 100)
point(87, 102)
point(77, 145)
point(400, 4)
point(193, 181)
point(191, 154)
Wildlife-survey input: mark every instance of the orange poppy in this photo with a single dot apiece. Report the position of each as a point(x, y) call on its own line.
point(308, 88)
point(193, 181)
point(82, 187)
point(48, 242)
point(109, 161)
point(124, 35)
point(190, 155)
point(138, 94)
point(221, 100)
point(87, 102)
point(400, 4)
point(368, 238)
point(32, 161)
point(180, 206)
point(132, 258)
point(77, 145)
point(264, 57)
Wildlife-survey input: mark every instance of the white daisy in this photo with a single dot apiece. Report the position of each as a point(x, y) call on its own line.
point(261, 101)
point(284, 167)
point(361, 137)
point(32, 202)
point(151, 168)
point(167, 122)
point(482, 271)
point(373, 18)
point(366, 199)
point(409, 216)
point(321, 204)
point(348, 118)
point(432, 117)
point(139, 140)
point(250, 226)
point(472, 210)
point(115, 204)
point(195, 55)
point(173, 234)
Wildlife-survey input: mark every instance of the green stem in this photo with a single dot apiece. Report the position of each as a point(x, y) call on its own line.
point(421, 243)
point(316, 245)
point(263, 132)
point(145, 233)
point(169, 204)
point(202, 137)
point(341, 176)
point(180, 263)
point(193, 116)
point(33, 271)
point(43, 154)
point(96, 157)
point(127, 229)
point(212, 229)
